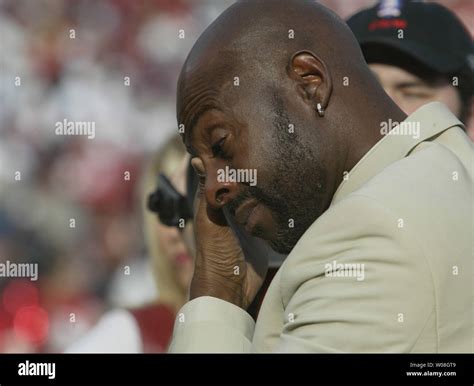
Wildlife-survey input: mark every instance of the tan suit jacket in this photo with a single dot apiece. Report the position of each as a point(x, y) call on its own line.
point(387, 268)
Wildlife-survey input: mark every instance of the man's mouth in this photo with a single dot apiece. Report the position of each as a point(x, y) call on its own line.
point(248, 214)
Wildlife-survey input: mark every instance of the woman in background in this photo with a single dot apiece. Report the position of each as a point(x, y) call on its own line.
point(149, 328)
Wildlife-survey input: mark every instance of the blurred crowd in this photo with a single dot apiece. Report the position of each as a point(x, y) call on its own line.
point(69, 203)
point(73, 204)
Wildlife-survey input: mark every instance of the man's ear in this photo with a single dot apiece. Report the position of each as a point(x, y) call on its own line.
point(313, 78)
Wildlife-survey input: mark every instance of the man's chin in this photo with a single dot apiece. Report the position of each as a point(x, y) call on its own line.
point(280, 246)
point(271, 229)
point(285, 240)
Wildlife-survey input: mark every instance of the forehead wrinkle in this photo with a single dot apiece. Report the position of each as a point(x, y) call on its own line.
point(196, 105)
point(199, 96)
point(193, 115)
point(202, 83)
point(192, 92)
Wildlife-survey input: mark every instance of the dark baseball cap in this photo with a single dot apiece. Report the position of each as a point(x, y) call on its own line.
point(426, 32)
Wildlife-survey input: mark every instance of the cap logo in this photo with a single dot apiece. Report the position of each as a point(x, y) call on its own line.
point(389, 8)
point(388, 23)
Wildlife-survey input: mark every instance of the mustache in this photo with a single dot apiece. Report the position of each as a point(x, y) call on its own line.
point(238, 200)
point(258, 194)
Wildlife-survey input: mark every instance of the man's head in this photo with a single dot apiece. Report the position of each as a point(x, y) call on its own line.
point(248, 97)
point(420, 52)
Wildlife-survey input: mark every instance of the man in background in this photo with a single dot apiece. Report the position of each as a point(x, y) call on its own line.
point(420, 52)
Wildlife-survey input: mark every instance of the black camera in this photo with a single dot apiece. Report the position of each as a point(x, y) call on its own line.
point(170, 205)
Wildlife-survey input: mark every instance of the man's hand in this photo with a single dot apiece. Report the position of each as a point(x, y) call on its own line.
point(220, 267)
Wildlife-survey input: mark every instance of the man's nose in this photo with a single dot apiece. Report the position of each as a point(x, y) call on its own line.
point(219, 192)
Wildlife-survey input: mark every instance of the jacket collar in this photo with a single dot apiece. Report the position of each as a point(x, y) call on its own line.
point(431, 120)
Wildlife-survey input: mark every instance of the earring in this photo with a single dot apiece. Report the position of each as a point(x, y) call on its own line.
point(320, 110)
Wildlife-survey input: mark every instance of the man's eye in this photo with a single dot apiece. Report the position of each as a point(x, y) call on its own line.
point(217, 148)
point(416, 94)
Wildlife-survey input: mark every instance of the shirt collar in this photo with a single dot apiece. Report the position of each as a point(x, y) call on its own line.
point(431, 120)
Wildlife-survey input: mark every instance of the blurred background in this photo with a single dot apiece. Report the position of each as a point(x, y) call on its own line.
point(70, 204)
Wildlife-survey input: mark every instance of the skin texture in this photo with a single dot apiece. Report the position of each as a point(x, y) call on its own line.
point(246, 126)
point(410, 92)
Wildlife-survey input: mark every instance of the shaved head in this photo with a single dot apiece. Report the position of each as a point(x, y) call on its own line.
point(257, 38)
point(281, 88)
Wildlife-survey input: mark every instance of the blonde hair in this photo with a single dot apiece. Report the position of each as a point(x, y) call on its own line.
point(166, 161)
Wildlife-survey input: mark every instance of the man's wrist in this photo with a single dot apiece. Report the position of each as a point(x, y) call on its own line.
point(218, 287)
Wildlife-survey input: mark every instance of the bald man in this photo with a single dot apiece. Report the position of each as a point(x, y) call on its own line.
point(292, 136)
